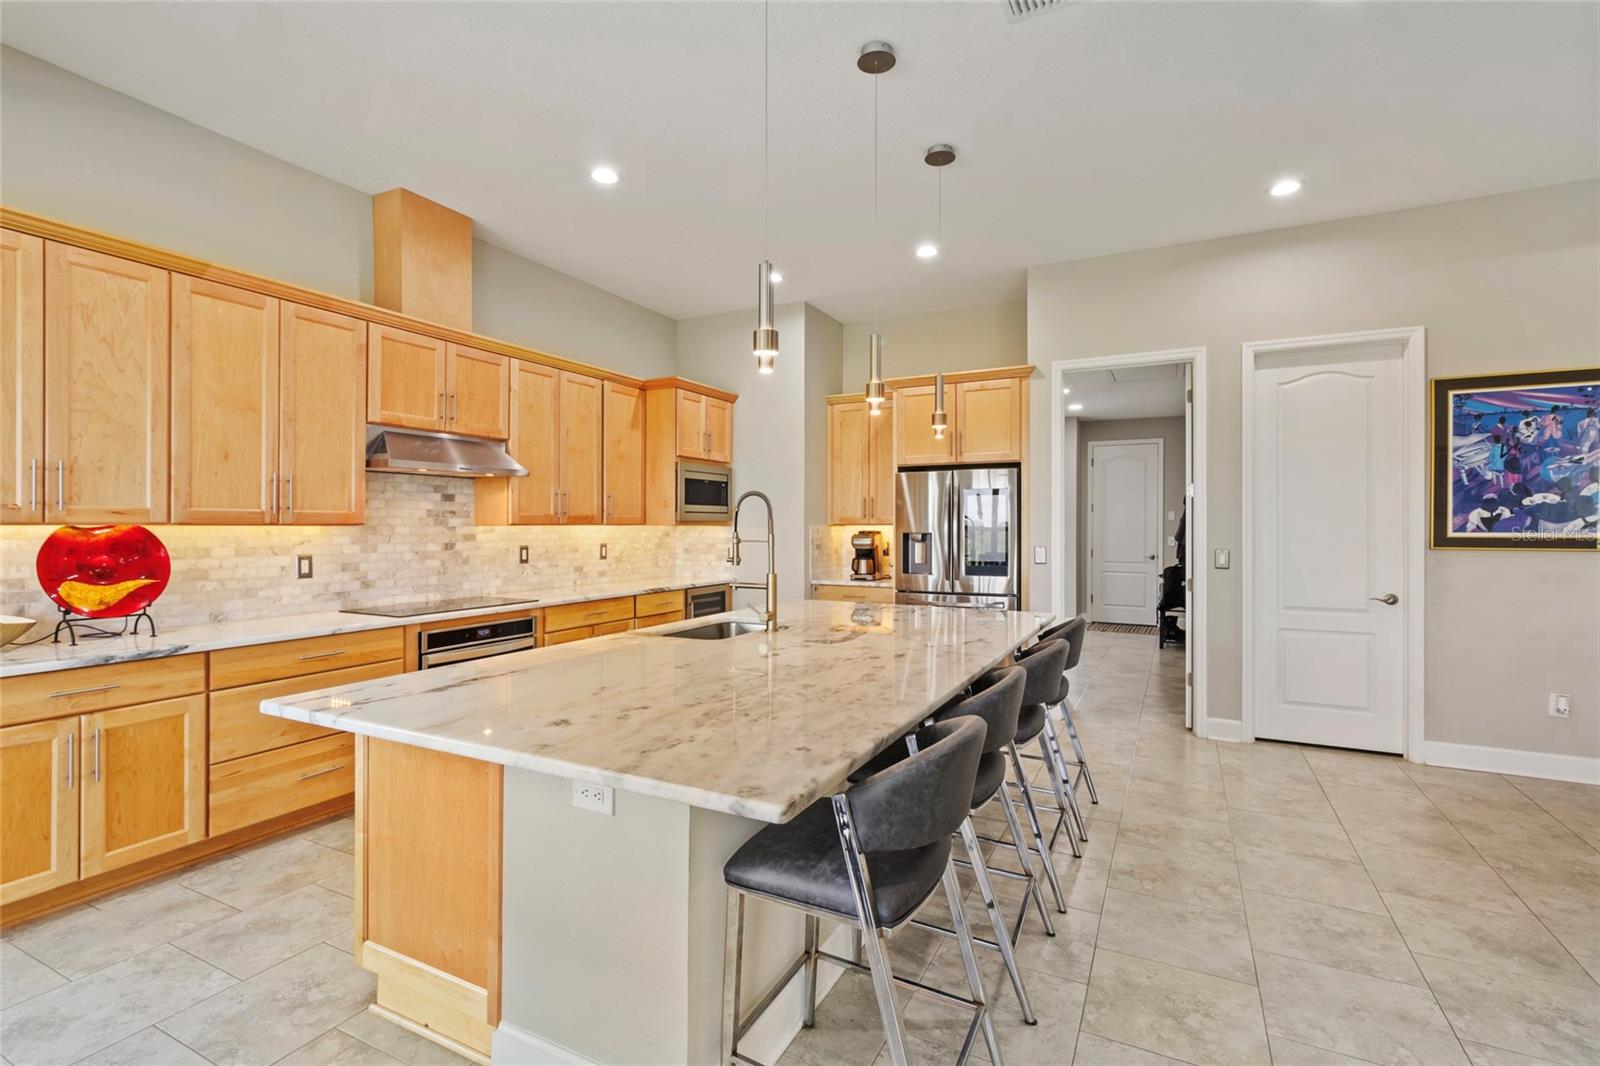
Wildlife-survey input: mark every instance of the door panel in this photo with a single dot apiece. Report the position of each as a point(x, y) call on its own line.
point(913, 426)
point(922, 531)
point(478, 387)
point(691, 425)
point(624, 454)
point(988, 421)
point(880, 461)
point(581, 447)
point(987, 507)
point(224, 403)
point(535, 431)
point(719, 430)
point(405, 379)
point(144, 791)
point(322, 379)
point(1328, 531)
point(107, 372)
point(848, 462)
point(21, 377)
point(1125, 530)
point(39, 782)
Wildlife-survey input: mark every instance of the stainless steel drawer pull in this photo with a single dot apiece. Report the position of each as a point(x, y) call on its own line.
point(72, 759)
point(288, 488)
point(82, 691)
point(319, 773)
point(61, 485)
point(321, 654)
point(96, 763)
point(33, 484)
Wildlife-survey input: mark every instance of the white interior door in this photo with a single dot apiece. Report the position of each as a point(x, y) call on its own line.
point(1124, 530)
point(1328, 536)
point(1190, 615)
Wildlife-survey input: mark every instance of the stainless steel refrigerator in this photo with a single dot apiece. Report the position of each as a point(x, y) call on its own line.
point(958, 537)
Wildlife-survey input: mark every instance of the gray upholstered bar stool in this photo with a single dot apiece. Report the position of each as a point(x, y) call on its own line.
point(1069, 815)
point(1073, 632)
point(1043, 664)
point(869, 856)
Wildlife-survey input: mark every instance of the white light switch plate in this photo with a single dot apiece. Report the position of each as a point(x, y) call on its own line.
point(1222, 559)
point(1039, 556)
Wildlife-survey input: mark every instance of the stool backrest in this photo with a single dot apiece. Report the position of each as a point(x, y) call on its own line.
point(923, 798)
point(1072, 631)
point(997, 699)
point(1046, 665)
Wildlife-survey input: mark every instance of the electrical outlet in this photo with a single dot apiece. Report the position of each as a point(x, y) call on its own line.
point(597, 798)
point(602, 549)
point(302, 566)
point(522, 553)
point(1560, 705)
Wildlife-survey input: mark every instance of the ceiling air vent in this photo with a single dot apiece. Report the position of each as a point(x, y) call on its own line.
point(1021, 9)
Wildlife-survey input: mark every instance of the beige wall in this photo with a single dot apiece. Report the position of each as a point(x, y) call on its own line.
point(1501, 283)
point(968, 337)
point(1174, 441)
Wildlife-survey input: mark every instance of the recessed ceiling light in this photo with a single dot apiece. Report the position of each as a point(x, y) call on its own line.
point(1285, 187)
point(927, 250)
point(777, 278)
point(604, 175)
point(1066, 392)
point(1074, 406)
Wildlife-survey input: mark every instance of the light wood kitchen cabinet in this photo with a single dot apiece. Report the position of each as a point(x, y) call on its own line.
point(989, 420)
point(253, 789)
point(623, 462)
point(106, 348)
point(914, 441)
point(21, 377)
point(705, 427)
point(322, 446)
point(861, 470)
point(405, 378)
point(39, 830)
point(581, 448)
point(883, 483)
point(477, 393)
point(224, 404)
point(143, 780)
point(682, 420)
point(555, 429)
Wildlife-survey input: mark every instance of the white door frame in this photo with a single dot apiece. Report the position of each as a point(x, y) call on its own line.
point(1414, 401)
point(1064, 591)
point(1161, 502)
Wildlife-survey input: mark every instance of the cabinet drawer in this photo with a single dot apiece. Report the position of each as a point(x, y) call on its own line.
point(605, 628)
point(567, 636)
point(257, 787)
point(657, 603)
point(570, 615)
point(238, 728)
point(660, 619)
point(34, 697)
point(291, 658)
point(853, 593)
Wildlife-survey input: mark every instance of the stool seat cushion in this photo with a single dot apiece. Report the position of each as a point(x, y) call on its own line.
point(802, 861)
point(991, 771)
point(1030, 722)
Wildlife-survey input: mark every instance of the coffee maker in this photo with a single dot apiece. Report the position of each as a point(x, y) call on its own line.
point(868, 562)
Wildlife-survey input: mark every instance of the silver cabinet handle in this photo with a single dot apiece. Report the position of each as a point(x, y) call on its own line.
point(82, 691)
point(441, 417)
point(96, 762)
point(321, 654)
point(452, 408)
point(1388, 597)
point(566, 504)
point(319, 773)
point(274, 496)
point(33, 484)
point(72, 759)
point(608, 505)
point(61, 484)
point(288, 490)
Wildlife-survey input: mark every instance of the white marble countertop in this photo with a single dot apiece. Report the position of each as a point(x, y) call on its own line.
point(759, 725)
point(880, 583)
point(183, 640)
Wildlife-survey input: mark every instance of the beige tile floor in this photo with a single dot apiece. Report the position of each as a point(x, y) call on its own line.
point(244, 960)
point(1267, 902)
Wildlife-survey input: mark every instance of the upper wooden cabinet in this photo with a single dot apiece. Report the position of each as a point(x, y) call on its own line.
point(914, 441)
point(21, 377)
point(405, 379)
point(882, 483)
point(581, 448)
point(861, 472)
point(106, 380)
point(705, 427)
point(322, 447)
point(623, 461)
point(477, 393)
point(682, 420)
point(555, 431)
point(987, 410)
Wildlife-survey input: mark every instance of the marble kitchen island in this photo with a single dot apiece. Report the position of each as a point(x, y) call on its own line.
point(501, 915)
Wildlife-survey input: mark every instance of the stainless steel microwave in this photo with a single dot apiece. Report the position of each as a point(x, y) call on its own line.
point(705, 492)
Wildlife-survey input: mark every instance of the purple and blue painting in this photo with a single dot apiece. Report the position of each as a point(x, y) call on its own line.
point(1523, 462)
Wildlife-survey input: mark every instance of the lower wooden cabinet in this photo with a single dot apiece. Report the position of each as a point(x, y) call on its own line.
point(258, 787)
point(143, 779)
point(862, 593)
point(39, 825)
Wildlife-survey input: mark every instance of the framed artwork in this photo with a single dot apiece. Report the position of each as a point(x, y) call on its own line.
point(1516, 461)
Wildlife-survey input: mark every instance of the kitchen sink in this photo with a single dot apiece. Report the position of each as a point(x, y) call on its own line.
point(717, 630)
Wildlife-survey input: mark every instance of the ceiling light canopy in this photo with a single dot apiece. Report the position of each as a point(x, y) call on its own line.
point(775, 276)
point(1285, 187)
point(927, 250)
point(604, 175)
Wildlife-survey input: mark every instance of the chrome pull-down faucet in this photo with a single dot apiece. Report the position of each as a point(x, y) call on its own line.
point(771, 587)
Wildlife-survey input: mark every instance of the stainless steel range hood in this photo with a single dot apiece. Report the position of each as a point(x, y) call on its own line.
point(420, 451)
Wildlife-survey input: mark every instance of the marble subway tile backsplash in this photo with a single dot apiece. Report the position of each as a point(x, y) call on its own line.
point(419, 541)
point(831, 552)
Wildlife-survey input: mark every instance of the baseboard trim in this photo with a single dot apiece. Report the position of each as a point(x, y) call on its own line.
point(1230, 729)
point(515, 1046)
point(1580, 768)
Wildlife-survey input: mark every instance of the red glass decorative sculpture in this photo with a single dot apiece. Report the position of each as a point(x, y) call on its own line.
point(103, 571)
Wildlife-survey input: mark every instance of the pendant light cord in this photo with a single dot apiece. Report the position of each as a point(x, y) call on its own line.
point(877, 290)
point(766, 124)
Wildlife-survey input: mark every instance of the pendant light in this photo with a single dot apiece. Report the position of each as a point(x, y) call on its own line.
point(939, 156)
point(764, 341)
point(877, 57)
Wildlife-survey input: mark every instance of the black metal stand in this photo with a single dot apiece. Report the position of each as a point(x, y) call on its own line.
point(74, 625)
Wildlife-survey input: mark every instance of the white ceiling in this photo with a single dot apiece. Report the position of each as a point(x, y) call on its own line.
point(1085, 130)
point(1131, 392)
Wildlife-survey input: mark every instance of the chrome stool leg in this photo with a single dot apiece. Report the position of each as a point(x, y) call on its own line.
point(1061, 782)
point(872, 937)
point(732, 974)
point(1077, 748)
point(1002, 936)
point(812, 924)
point(969, 962)
point(1038, 832)
point(1015, 826)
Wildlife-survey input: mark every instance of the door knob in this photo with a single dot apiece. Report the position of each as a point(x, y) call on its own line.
point(1388, 597)
point(1150, 557)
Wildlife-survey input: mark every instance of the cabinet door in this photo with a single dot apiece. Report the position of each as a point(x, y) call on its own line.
point(881, 481)
point(624, 454)
point(989, 420)
point(691, 425)
point(848, 447)
point(144, 786)
point(719, 430)
point(224, 403)
point(478, 391)
point(322, 381)
point(405, 379)
point(913, 427)
point(581, 447)
point(21, 377)
point(39, 777)
point(535, 433)
point(106, 359)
